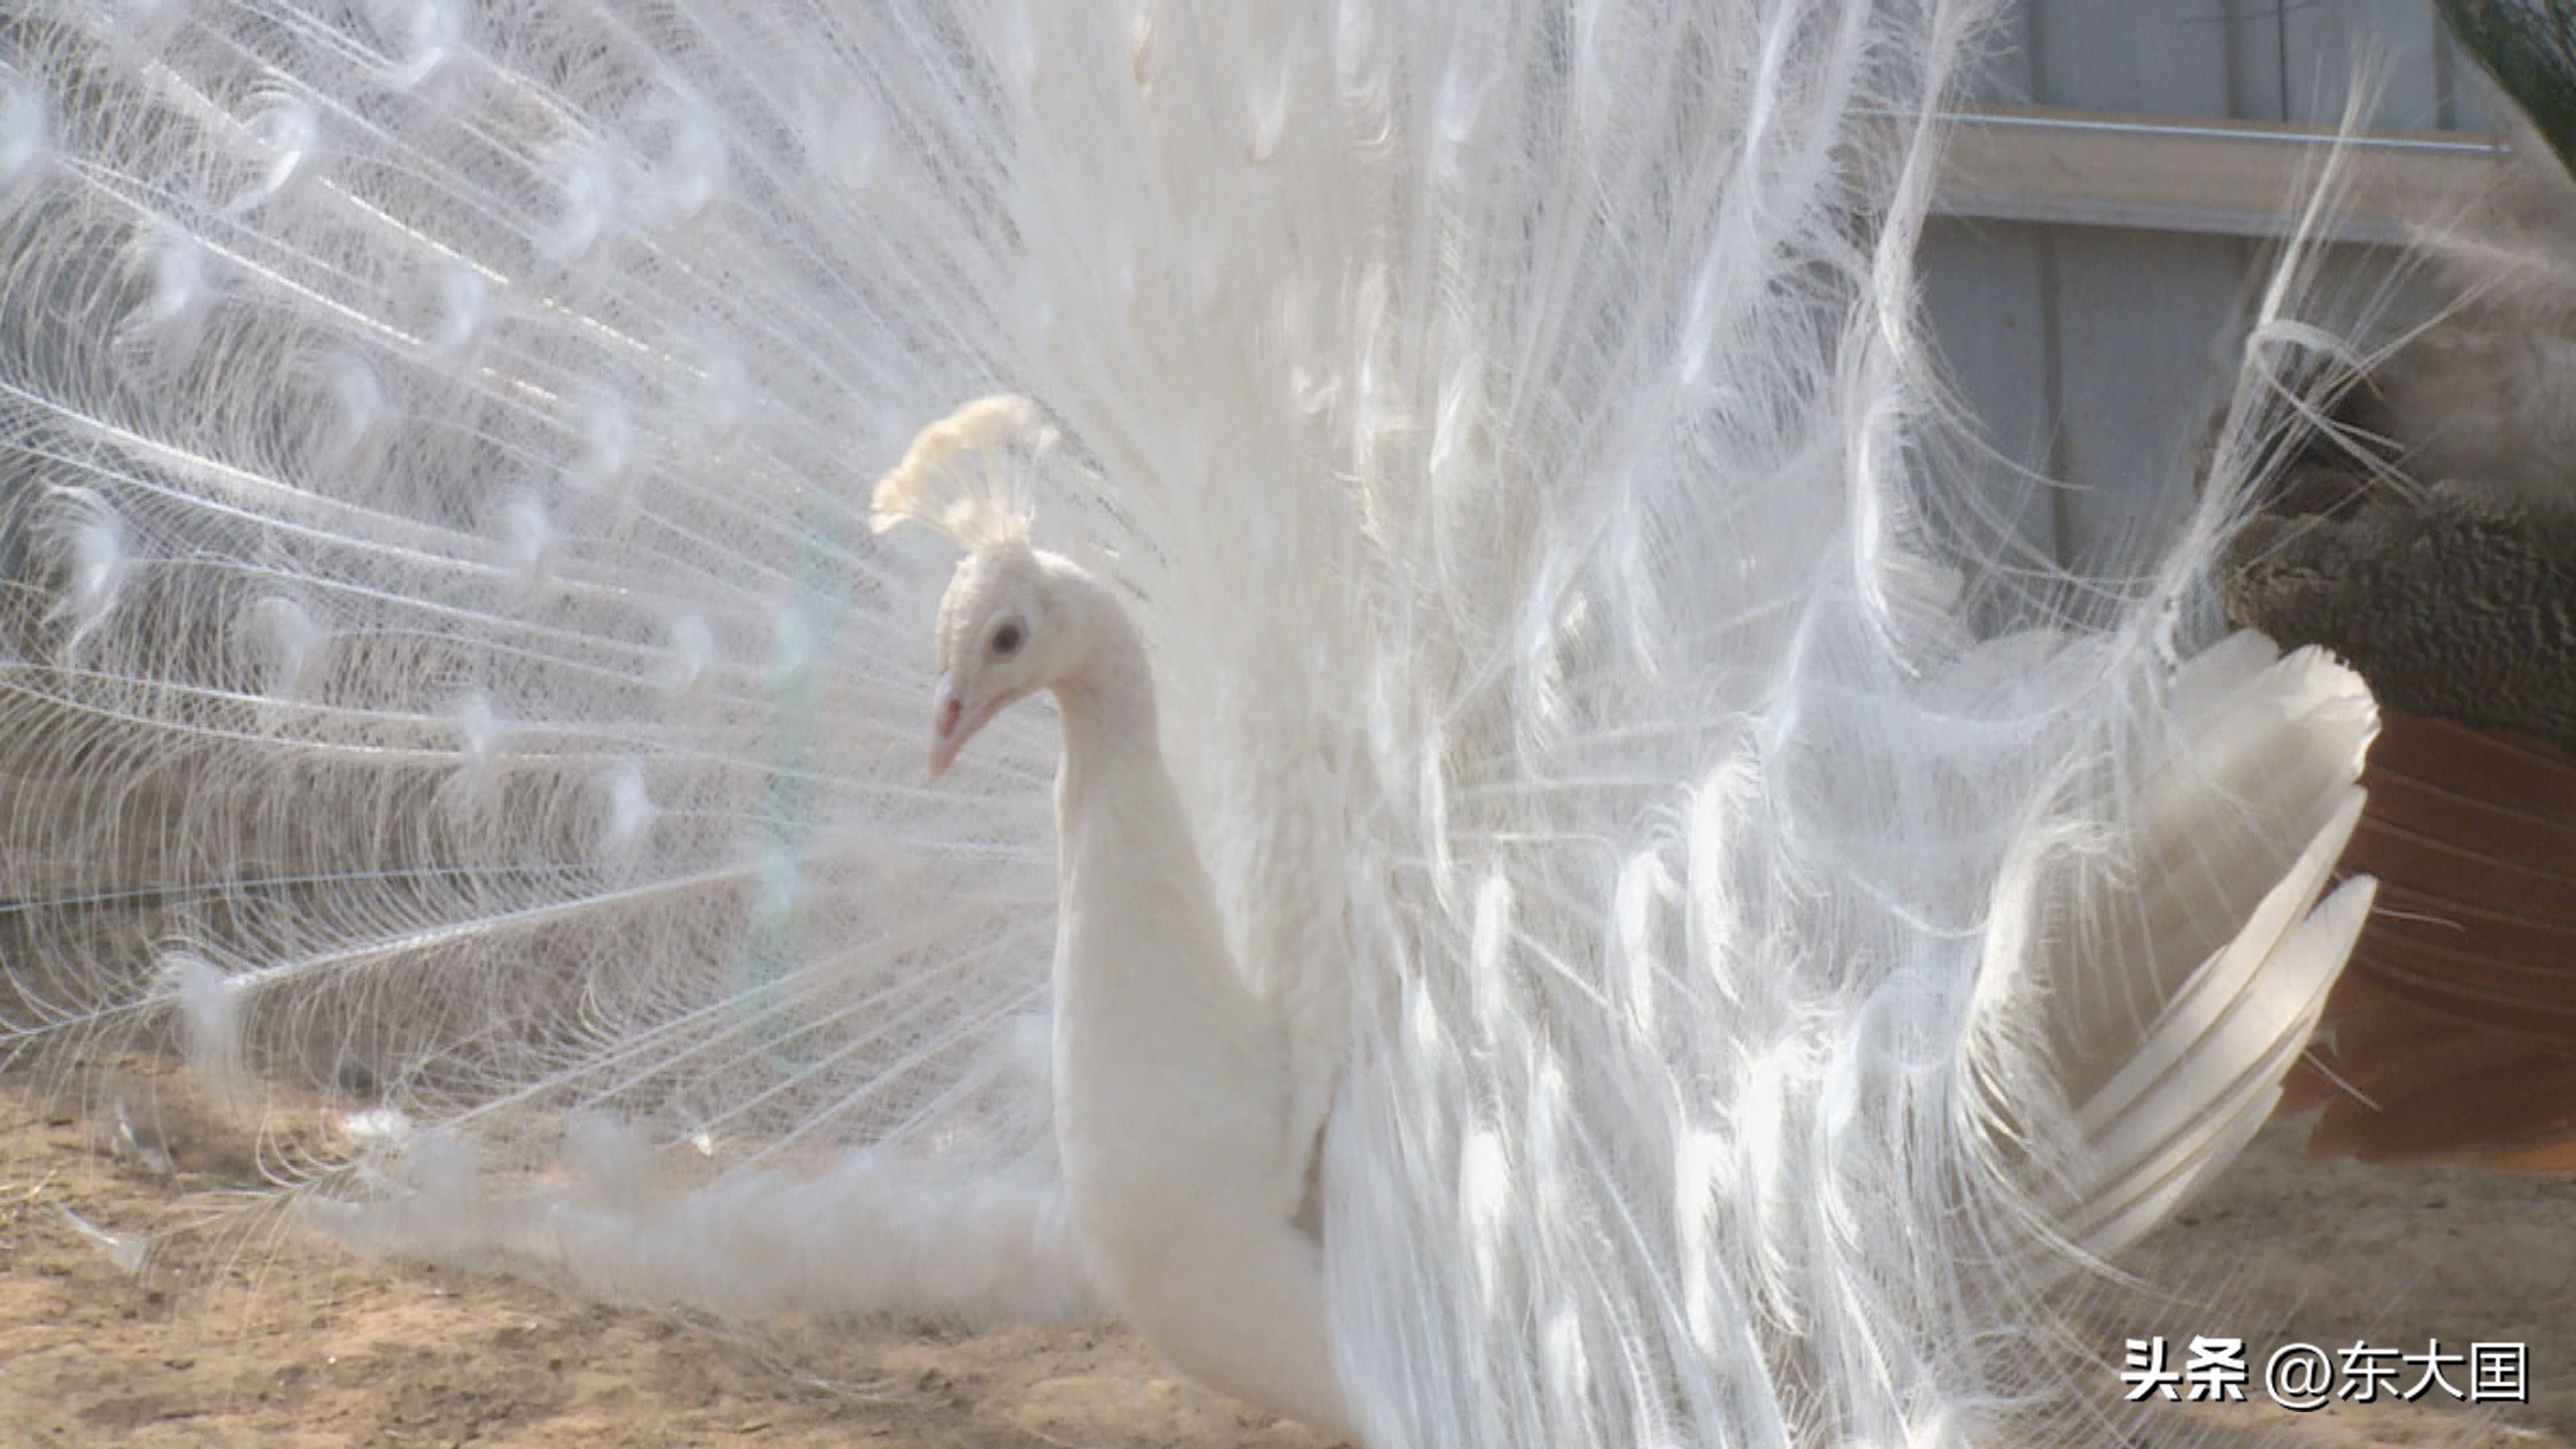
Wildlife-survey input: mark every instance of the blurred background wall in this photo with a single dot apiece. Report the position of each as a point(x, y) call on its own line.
point(2087, 281)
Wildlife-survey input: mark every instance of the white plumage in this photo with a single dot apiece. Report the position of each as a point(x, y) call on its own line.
point(1593, 901)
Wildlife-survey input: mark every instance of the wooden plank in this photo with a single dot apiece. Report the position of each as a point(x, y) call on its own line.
point(2471, 101)
point(2166, 57)
point(2391, 47)
point(2222, 178)
point(2134, 315)
point(2148, 329)
point(1988, 311)
point(1988, 301)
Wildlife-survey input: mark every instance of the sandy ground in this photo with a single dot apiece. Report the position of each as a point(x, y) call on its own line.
point(289, 1341)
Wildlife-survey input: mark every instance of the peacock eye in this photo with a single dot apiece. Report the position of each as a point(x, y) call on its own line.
point(1006, 640)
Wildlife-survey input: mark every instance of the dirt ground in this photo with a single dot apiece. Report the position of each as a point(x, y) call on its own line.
point(288, 1341)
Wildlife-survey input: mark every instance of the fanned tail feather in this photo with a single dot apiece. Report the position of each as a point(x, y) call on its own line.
point(2176, 1057)
point(1742, 944)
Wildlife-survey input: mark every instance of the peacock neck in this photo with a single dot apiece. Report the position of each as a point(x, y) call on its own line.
point(1112, 738)
point(1120, 829)
point(1172, 1079)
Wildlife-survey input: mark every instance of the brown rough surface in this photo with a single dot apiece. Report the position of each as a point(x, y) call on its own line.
point(288, 1341)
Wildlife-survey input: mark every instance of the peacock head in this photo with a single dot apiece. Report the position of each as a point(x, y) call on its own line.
point(1003, 635)
point(1005, 626)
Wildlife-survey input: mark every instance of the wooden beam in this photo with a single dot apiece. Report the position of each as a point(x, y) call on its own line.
point(2227, 177)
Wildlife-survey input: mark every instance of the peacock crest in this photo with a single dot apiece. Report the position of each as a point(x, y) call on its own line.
point(966, 477)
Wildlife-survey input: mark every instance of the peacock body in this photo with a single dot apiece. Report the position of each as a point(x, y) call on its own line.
point(1627, 915)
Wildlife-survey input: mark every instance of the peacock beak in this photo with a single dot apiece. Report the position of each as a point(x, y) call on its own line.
point(952, 724)
point(947, 715)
